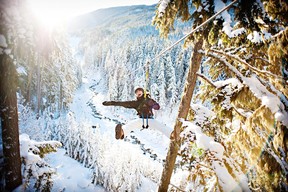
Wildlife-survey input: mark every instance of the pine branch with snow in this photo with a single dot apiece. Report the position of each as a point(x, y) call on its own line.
point(36, 172)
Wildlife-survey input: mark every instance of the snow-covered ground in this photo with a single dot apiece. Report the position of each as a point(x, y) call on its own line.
point(70, 174)
point(88, 109)
point(133, 163)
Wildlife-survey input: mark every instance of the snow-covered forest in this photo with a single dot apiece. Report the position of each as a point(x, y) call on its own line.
point(223, 90)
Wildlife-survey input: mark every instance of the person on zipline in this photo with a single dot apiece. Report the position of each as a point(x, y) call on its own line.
point(144, 107)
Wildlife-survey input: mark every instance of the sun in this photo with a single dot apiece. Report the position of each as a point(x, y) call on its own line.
point(51, 13)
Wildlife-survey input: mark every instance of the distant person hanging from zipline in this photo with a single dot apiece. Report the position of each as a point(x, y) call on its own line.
point(143, 105)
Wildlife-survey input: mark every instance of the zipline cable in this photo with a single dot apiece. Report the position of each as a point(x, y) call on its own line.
point(177, 42)
point(146, 79)
point(145, 91)
point(170, 47)
point(198, 27)
point(181, 39)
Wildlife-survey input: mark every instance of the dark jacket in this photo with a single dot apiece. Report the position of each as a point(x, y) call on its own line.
point(141, 105)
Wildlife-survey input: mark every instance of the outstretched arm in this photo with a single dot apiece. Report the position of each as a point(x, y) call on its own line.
point(126, 104)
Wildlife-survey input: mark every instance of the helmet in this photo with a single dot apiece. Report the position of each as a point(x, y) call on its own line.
point(139, 89)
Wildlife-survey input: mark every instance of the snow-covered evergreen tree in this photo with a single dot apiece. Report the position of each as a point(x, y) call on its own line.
point(244, 84)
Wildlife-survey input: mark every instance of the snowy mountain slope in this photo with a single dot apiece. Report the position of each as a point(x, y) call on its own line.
point(87, 134)
point(70, 174)
point(120, 46)
point(115, 17)
point(109, 49)
point(87, 107)
point(146, 149)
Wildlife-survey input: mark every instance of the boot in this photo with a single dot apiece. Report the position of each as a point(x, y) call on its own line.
point(119, 133)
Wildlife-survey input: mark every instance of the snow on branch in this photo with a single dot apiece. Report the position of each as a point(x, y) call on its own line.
point(162, 7)
point(4, 46)
point(226, 63)
point(202, 114)
point(239, 111)
point(206, 79)
point(245, 63)
point(268, 99)
point(3, 43)
point(234, 82)
point(256, 37)
point(275, 91)
point(203, 141)
point(37, 148)
point(230, 87)
point(228, 30)
point(279, 34)
point(281, 162)
point(36, 171)
point(225, 179)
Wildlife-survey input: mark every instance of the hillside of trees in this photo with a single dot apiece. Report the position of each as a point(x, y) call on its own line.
point(121, 46)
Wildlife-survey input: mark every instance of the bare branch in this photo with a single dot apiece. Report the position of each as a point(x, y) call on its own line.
point(265, 60)
point(207, 80)
point(245, 63)
point(226, 63)
point(177, 187)
point(238, 112)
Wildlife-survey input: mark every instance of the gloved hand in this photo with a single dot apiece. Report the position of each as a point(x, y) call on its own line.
point(150, 103)
point(153, 104)
point(107, 103)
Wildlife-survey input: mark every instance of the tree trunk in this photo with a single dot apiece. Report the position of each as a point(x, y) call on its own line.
point(60, 108)
point(174, 146)
point(39, 99)
point(30, 77)
point(9, 123)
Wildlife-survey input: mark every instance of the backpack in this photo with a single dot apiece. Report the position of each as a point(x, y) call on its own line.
point(144, 110)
